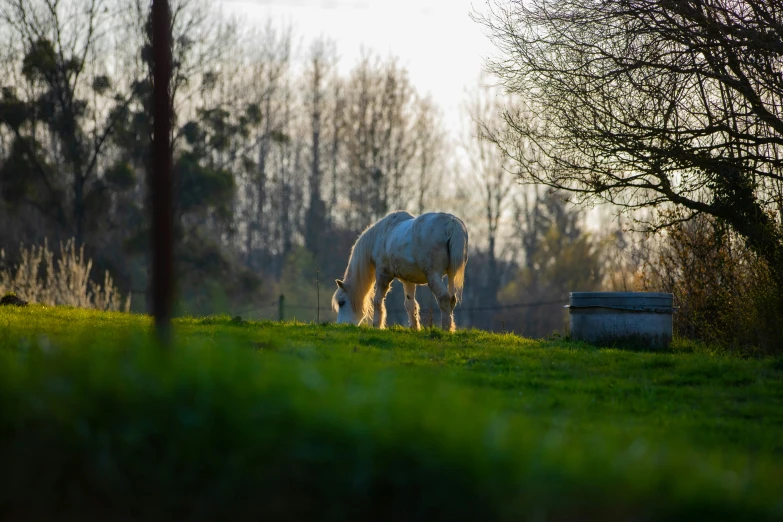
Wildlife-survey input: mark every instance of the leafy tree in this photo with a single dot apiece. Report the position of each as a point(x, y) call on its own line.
point(54, 107)
point(493, 180)
point(558, 257)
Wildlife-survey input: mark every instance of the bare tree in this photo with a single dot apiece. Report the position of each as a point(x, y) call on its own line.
point(321, 61)
point(400, 109)
point(430, 145)
point(379, 137)
point(491, 170)
point(269, 66)
point(338, 126)
point(647, 103)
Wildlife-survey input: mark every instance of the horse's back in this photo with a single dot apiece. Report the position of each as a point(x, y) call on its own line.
point(432, 239)
point(393, 219)
point(436, 226)
point(413, 247)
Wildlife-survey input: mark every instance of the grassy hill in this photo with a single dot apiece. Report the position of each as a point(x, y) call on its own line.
point(244, 420)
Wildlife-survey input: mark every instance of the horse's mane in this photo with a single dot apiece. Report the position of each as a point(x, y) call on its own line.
point(359, 278)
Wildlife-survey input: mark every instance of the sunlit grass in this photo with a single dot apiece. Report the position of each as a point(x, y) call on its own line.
point(289, 421)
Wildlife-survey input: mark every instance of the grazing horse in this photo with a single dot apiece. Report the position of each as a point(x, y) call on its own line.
point(415, 250)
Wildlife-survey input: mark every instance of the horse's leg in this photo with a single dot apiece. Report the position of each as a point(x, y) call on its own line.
point(444, 302)
point(411, 306)
point(382, 282)
point(452, 294)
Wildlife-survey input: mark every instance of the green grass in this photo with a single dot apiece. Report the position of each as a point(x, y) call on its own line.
point(244, 420)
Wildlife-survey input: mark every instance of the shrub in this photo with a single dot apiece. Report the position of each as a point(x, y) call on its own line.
point(725, 293)
point(40, 278)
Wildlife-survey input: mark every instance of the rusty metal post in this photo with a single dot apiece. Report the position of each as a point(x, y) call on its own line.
point(160, 180)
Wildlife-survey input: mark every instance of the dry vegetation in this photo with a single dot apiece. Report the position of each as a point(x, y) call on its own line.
point(42, 278)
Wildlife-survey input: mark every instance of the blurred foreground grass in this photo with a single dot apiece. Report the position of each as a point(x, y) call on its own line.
point(299, 422)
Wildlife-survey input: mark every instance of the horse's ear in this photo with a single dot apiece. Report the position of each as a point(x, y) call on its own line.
point(339, 283)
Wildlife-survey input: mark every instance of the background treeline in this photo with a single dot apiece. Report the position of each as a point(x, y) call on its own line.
point(283, 155)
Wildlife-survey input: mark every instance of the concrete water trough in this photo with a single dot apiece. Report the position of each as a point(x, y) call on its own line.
point(623, 319)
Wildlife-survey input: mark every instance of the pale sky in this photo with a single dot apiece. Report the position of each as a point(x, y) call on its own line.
point(442, 48)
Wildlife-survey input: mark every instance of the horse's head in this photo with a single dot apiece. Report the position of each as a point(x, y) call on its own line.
point(341, 303)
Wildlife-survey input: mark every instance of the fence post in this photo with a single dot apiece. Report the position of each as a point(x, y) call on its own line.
point(280, 308)
point(318, 298)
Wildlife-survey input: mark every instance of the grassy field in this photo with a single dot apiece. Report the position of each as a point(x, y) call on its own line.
point(244, 420)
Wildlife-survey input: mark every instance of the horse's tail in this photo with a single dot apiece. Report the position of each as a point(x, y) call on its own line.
point(458, 257)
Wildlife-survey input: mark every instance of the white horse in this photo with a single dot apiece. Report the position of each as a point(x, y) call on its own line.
point(417, 251)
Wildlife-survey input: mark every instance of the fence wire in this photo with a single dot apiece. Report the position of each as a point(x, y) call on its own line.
point(395, 310)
